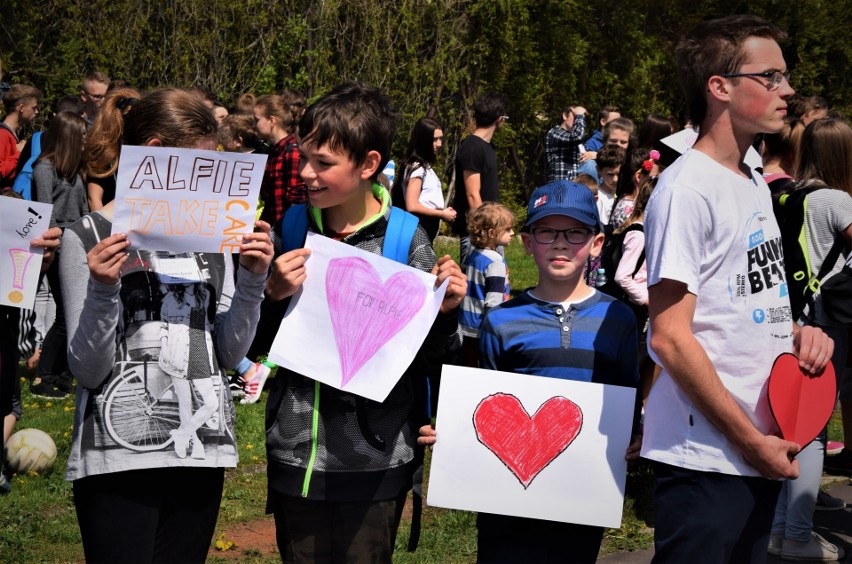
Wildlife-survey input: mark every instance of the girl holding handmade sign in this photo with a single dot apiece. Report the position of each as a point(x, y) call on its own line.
point(136, 492)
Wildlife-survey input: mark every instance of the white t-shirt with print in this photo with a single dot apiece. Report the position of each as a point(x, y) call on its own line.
point(715, 231)
point(431, 195)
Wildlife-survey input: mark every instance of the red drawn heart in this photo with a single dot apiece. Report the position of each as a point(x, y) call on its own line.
point(801, 403)
point(526, 445)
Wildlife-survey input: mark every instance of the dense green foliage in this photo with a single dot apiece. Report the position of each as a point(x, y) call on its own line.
point(433, 56)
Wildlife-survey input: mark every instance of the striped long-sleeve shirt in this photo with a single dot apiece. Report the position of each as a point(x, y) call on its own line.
point(487, 286)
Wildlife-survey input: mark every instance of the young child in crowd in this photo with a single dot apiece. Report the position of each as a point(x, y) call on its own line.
point(490, 226)
point(529, 335)
point(148, 485)
point(340, 465)
point(638, 165)
point(609, 161)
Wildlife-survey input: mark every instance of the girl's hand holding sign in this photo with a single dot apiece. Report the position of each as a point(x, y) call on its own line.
point(256, 249)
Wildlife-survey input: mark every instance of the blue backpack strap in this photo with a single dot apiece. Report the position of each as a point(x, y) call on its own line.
point(24, 181)
point(401, 228)
point(294, 227)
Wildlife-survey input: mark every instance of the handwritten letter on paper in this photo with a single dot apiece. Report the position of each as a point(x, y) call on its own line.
point(21, 221)
point(186, 200)
point(358, 320)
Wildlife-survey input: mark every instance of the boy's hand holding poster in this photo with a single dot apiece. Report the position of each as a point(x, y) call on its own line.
point(186, 200)
point(358, 320)
point(21, 221)
point(531, 446)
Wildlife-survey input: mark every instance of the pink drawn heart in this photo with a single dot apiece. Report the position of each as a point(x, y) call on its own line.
point(365, 313)
point(526, 445)
point(801, 403)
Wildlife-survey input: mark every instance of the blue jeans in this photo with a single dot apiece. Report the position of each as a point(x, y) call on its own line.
point(794, 512)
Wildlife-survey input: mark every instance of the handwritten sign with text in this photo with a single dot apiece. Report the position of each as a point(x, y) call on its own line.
point(21, 221)
point(358, 320)
point(186, 200)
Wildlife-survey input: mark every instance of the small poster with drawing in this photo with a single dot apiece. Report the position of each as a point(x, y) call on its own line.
point(358, 320)
point(531, 446)
point(21, 221)
point(186, 200)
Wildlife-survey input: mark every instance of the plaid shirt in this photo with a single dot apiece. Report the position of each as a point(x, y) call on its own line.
point(561, 148)
point(282, 186)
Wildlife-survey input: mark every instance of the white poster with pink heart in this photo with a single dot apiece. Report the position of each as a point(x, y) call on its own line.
point(531, 446)
point(357, 321)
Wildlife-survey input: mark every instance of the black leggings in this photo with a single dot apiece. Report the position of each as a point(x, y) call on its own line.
point(156, 515)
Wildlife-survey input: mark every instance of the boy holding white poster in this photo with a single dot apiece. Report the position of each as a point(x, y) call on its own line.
point(340, 465)
point(562, 328)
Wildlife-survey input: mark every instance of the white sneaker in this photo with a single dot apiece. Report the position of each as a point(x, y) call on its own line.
point(254, 384)
point(817, 549)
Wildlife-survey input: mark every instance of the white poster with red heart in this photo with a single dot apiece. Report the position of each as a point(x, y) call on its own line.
point(531, 446)
point(358, 320)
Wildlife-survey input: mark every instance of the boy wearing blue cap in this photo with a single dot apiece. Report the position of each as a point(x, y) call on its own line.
point(562, 328)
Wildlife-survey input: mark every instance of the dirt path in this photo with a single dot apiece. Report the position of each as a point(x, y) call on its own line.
point(253, 539)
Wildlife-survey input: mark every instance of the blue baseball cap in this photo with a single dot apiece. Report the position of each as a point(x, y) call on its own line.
point(567, 198)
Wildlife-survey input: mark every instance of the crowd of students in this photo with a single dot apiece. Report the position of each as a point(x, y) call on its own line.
point(680, 324)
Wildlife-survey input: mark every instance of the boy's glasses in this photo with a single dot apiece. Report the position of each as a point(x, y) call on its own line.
point(547, 236)
point(95, 97)
point(775, 77)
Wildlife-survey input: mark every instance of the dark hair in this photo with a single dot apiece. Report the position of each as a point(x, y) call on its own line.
point(784, 145)
point(815, 103)
point(70, 103)
point(354, 117)
point(245, 103)
point(488, 108)
point(640, 203)
point(202, 92)
point(622, 123)
point(95, 76)
point(62, 144)
point(826, 154)
point(420, 152)
point(654, 128)
point(610, 156)
point(604, 112)
point(713, 48)
point(18, 94)
point(273, 105)
point(238, 126)
point(632, 162)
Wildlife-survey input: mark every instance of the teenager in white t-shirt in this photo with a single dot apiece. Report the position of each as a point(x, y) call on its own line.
point(718, 307)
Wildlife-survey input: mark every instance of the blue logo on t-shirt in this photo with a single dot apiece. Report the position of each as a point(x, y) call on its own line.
point(783, 290)
point(755, 239)
point(758, 315)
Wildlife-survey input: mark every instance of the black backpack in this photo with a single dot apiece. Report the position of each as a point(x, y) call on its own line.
point(611, 254)
point(802, 283)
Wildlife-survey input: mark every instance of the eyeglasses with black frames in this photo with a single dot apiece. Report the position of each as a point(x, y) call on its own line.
point(775, 77)
point(548, 236)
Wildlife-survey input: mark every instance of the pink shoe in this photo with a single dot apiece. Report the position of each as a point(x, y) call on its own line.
point(254, 384)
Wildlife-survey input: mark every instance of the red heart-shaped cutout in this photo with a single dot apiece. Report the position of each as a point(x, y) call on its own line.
point(526, 444)
point(801, 403)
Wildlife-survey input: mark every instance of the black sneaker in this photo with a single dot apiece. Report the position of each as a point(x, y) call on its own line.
point(839, 464)
point(5, 484)
point(47, 390)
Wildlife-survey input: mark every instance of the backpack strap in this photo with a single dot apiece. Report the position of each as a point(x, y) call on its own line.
point(641, 261)
point(294, 227)
point(828, 263)
point(400, 232)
